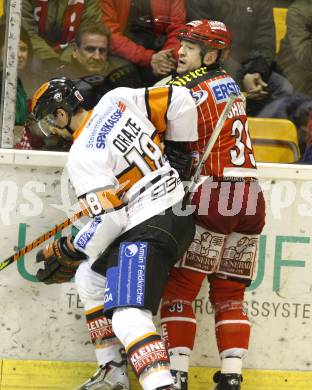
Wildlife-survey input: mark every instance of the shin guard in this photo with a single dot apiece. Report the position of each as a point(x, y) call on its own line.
point(148, 356)
point(231, 322)
point(177, 316)
point(146, 350)
point(106, 344)
point(232, 330)
point(178, 321)
point(178, 324)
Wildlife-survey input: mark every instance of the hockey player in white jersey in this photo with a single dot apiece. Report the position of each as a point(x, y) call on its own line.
point(134, 236)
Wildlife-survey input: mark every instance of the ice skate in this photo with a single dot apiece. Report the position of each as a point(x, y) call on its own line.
point(227, 381)
point(112, 376)
point(180, 380)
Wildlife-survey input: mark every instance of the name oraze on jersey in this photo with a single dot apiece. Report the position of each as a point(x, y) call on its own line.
point(120, 148)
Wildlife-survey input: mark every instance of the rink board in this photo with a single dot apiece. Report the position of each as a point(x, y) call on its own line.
point(39, 375)
point(46, 323)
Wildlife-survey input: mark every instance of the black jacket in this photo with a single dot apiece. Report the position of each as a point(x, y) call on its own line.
point(295, 55)
point(253, 29)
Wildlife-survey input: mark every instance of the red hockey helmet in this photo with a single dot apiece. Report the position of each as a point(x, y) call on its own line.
point(213, 33)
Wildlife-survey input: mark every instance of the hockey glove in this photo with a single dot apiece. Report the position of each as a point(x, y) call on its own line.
point(180, 160)
point(60, 262)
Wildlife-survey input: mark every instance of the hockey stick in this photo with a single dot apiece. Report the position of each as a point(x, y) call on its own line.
point(57, 228)
point(38, 241)
point(214, 136)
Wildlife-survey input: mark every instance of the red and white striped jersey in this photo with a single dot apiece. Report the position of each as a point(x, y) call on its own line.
point(232, 154)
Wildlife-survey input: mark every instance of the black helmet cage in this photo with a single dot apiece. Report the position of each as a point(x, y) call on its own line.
point(61, 93)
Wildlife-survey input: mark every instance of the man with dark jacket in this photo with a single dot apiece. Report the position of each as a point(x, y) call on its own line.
point(52, 25)
point(95, 73)
point(97, 70)
point(295, 55)
point(253, 51)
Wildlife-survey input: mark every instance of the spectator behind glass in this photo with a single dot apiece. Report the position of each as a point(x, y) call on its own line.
point(97, 70)
point(295, 55)
point(144, 32)
point(295, 61)
point(27, 136)
point(52, 25)
point(253, 51)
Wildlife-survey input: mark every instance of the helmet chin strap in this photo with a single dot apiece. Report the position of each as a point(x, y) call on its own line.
point(218, 59)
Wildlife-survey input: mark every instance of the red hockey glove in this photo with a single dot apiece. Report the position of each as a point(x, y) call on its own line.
point(60, 262)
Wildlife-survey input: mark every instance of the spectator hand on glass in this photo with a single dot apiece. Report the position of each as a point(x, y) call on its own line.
point(163, 62)
point(255, 86)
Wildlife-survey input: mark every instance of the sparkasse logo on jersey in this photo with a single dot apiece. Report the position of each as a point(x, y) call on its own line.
point(109, 125)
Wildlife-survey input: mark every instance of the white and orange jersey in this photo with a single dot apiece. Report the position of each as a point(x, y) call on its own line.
point(232, 154)
point(116, 164)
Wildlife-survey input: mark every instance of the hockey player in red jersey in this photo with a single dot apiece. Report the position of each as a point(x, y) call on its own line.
point(230, 213)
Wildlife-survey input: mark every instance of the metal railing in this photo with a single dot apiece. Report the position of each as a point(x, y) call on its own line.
point(9, 76)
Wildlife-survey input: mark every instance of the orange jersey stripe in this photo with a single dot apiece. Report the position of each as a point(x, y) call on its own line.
point(109, 199)
point(82, 125)
point(157, 103)
point(129, 177)
point(100, 201)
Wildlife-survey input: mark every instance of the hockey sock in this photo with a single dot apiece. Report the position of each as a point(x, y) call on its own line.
point(146, 350)
point(107, 346)
point(231, 365)
point(232, 325)
point(178, 324)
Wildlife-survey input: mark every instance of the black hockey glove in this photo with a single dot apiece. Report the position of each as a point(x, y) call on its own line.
point(60, 262)
point(180, 160)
